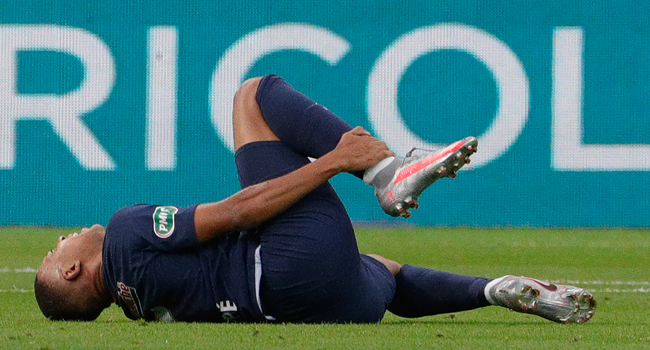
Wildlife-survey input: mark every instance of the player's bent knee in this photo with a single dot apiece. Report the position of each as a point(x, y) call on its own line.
point(248, 122)
point(248, 90)
point(392, 266)
point(245, 102)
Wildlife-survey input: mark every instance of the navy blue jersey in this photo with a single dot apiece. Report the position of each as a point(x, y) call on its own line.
point(156, 269)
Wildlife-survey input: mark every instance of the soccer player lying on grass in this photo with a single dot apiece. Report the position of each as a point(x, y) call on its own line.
point(282, 249)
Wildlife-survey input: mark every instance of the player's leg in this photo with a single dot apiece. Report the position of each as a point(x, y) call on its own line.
point(312, 130)
point(313, 244)
point(304, 125)
point(309, 257)
point(424, 292)
point(310, 263)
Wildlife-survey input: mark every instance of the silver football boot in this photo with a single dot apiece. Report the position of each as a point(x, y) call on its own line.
point(417, 172)
point(555, 302)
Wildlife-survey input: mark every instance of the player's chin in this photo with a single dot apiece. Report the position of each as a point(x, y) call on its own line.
point(94, 228)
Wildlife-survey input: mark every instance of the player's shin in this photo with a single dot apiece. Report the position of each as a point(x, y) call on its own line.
point(424, 292)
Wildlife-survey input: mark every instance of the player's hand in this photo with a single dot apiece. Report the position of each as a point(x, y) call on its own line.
point(357, 150)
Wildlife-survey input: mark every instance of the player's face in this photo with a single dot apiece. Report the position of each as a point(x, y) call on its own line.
point(76, 245)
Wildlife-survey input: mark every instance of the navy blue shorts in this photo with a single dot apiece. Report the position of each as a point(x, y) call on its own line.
point(311, 267)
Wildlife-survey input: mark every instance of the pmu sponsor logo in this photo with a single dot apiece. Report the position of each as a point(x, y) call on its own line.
point(130, 299)
point(64, 111)
point(164, 221)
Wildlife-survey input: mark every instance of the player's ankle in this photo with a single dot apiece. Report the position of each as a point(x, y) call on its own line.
point(489, 286)
point(382, 172)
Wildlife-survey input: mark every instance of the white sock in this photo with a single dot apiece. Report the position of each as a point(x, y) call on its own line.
point(371, 172)
point(489, 286)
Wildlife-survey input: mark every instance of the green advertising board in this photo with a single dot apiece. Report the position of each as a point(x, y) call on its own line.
point(107, 104)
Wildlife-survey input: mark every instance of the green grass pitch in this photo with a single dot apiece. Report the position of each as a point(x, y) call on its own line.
point(613, 263)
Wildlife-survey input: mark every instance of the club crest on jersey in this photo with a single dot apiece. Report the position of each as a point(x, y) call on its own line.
point(163, 221)
point(130, 299)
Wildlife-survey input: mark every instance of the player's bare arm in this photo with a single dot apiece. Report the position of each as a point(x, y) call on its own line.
point(256, 204)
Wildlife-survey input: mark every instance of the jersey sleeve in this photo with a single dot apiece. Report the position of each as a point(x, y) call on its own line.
point(156, 227)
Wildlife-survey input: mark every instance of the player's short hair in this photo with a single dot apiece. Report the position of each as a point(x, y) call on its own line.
point(58, 305)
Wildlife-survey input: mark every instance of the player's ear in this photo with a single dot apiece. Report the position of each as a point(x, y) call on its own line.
point(72, 270)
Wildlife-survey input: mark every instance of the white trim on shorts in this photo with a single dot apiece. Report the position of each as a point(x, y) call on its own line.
point(258, 281)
